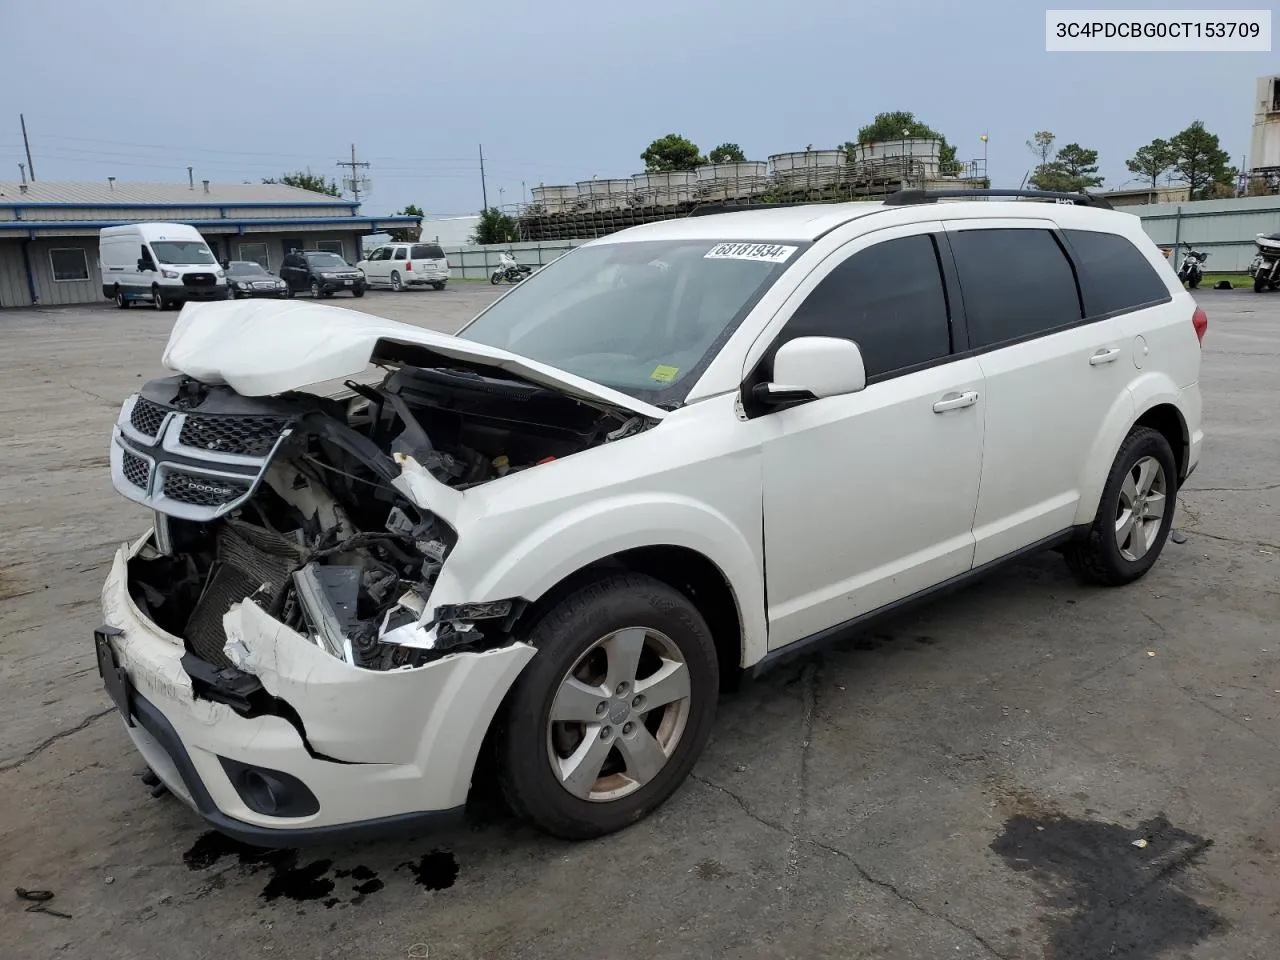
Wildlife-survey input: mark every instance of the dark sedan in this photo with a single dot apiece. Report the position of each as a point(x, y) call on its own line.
point(248, 279)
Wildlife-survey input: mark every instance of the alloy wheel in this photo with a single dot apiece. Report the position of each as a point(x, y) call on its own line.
point(1143, 500)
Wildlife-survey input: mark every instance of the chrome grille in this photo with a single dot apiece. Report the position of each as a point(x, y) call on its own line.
point(250, 436)
point(202, 491)
point(136, 470)
point(146, 417)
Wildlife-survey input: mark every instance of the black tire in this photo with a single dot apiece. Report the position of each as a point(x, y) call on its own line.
point(315, 289)
point(157, 299)
point(611, 603)
point(1097, 558)
point(357, 291)
point(1274, 285)
point(1194, 283)
point(122, 302)
point(439, 285)
point(494, 278)
point(396, 285)
point(288, 293)
point(1259, 283)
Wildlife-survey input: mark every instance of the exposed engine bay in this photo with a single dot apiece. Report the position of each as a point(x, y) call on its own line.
point(288, 501)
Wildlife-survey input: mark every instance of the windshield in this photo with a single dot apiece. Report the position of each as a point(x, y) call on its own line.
point(240, 268)
point(325, 260)
point(643, 318)
point(181, 251)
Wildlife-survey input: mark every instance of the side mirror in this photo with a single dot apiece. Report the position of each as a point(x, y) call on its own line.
point(810, 368)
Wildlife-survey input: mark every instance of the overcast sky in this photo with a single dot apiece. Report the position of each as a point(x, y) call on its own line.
point(561, 90)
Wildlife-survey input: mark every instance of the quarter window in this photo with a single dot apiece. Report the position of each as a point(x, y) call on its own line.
point(399, 255)
point(68, 264)
point(888, 299)
point(1016, 283)
point(1114, 275)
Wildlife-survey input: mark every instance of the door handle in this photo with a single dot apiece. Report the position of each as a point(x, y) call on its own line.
point(1105, 355)
point(956, 401)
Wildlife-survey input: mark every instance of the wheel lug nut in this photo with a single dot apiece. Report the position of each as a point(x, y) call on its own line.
point(623, 688)
point(628, 727)
point(602, 708)
point(606, 733)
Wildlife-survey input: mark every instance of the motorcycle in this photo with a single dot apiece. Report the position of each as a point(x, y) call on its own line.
point(1192, 270)
point(1265, 268)
point(509, 270)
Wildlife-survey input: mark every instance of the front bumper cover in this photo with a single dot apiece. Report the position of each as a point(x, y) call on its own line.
point(381, 752)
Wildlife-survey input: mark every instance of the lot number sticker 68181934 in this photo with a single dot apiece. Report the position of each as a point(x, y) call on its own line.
point(763, 252)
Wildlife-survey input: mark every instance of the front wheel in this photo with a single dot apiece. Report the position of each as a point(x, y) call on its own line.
point(1260, 283)
point(1193, 283)
point(315, 289)
point(357, 291)
point(612, 713)
point(157, 301)
point(1134, 514)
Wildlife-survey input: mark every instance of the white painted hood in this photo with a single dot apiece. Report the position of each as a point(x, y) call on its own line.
point(261, 348)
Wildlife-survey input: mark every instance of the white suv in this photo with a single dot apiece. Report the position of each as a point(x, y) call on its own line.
point(404, 265)
point(685, 450)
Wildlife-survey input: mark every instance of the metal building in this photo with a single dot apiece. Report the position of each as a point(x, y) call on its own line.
point(49, 230)
point(1264, 148)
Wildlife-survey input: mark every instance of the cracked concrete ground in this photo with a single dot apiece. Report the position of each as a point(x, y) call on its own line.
point(1026, 769)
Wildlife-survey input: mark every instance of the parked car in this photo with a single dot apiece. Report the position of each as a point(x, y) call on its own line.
point(163, 264)
point(403, 265)
point(248, 278)
point(320, 272)
point(683, 450)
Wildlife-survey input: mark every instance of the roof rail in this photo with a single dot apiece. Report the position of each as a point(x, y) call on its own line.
point(707, 209)
point(905, 198)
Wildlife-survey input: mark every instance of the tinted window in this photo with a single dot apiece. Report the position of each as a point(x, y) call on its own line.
point(1114, 275)
point(399, 255)
point(1016, 283)
point(427, 251)
point(888, 299)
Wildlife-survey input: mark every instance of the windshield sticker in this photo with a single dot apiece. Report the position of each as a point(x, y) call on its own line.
point(762, 252)
point(663, 373)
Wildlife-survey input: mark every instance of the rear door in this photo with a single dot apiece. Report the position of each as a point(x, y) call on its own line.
point(1051, 377)
point(430, 259)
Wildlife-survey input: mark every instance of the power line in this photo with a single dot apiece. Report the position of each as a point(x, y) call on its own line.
point(357, 180)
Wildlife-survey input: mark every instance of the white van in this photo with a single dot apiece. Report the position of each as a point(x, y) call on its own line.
point(163, 264)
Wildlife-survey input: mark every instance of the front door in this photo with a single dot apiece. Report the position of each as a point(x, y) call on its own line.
point(869, 497)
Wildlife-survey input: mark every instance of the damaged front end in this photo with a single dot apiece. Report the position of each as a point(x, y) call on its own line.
point(295, 504)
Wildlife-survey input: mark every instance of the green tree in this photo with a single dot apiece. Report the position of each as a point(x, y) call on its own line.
point(727, 153)
point(902, 124)
point(1199, 161)
point(494, 227)
point(672, 152)
point(306, 180)
point(408, 234)
point(1041, 145)
point(1074, 168)
point(1152, 161)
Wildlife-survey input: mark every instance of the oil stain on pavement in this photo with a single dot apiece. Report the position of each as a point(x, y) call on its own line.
point(290, 878)
point(1111, 888)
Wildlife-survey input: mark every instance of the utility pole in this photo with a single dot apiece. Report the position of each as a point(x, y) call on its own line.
point(484, 191)
point(27, 143)
point(355, 179)
point(22, 167)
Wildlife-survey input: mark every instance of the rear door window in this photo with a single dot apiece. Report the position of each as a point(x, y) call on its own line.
point(399, 254)
point(427, 251)
point(1114, 275)
point(1016, 282)
point(888, 299)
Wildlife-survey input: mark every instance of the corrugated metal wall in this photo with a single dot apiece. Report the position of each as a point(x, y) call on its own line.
point(478, 262)
point(44, 212)
point(1224, 229)
point(13, 279)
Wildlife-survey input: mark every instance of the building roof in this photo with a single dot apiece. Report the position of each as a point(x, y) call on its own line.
point(90, 193)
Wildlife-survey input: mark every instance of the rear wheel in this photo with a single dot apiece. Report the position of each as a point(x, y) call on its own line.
point(396, 285)
point(1260, 283)
point(1134, 514)
point(122, 302)
point(612, 713)
point(439, 285)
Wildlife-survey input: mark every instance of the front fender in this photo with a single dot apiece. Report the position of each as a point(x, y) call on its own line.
point(569, 541)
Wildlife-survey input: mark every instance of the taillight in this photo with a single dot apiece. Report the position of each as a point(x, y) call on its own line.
point(408, 264)
point(1200, 320)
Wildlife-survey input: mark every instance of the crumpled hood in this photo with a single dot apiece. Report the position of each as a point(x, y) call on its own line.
point(264, 348)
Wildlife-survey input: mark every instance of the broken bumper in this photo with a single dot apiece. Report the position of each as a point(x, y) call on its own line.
point(364, 753)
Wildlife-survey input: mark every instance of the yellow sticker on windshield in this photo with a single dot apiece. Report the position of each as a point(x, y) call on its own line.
point(664, 374)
